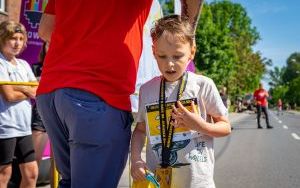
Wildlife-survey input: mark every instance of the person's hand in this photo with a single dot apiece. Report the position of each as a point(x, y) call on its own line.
point(184, 118)
point(138, 171)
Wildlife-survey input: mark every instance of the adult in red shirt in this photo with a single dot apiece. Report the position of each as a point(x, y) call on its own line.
point(261, 96)
point(88, 75)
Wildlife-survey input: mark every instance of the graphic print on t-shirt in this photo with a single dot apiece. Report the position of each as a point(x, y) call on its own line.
point(152, 113)
point(182, 136)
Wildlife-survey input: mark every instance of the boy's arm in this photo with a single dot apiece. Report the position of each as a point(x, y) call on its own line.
point(138, 166)
point(138, 141)
point(221, 127)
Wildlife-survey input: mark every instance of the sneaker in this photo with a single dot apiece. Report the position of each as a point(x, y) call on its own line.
point(269, 127)
point(259, 127)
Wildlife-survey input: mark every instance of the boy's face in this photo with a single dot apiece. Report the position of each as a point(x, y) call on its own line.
point(172, 56)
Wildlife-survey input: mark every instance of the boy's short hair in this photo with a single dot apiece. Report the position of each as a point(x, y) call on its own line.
point(175, 25)
point(8, 29)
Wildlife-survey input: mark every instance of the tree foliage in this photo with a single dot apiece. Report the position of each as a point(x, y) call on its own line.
point(276, 76)
point(278, 92)
point(285, 82)
point(167, 6)
point(293, 68)
point(293, 94)
point(224, 40)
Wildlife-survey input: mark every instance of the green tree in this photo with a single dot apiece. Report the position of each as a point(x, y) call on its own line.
point(276, 76)
point(291, 77)
point(293, 67)
point(224, 40)
point(279, 92)
point(293, 94)
point(285, 82)
point(167, 6)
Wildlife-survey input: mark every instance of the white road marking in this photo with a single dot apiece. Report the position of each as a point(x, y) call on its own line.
point(285, 127)
point(279, 121)
point(295, 136)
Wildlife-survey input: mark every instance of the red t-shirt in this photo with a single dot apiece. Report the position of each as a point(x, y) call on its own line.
point(260, 96)
point(95, 46)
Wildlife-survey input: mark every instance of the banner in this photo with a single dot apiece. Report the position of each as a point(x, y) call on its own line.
point(31, 13)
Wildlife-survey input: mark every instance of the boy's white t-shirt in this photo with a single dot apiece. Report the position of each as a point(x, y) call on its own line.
point(196, 151)
point(15, 117)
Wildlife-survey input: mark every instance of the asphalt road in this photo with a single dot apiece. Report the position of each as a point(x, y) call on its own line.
point(260, 158)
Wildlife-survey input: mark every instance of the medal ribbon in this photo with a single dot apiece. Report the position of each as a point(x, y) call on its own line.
point(166, 130)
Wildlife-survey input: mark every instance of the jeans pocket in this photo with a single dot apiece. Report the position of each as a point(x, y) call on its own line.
point(85, 100)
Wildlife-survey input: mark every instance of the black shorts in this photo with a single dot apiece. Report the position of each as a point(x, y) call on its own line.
point(36, 120)
point(20, 147)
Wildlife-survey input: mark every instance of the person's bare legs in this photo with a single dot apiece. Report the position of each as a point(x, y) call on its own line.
point(40, 139)
point(29, 172)
point(5, 174)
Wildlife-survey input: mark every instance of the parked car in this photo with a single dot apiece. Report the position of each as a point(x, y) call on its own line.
point(249, 102)
point(238, 106)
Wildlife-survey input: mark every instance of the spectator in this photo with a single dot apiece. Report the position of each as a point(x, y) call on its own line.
point(224, 96)
point(279, 107)
point(15, 107)
point(261, 96)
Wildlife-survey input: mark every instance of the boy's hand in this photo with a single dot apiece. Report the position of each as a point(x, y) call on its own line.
point(138, 171)
point(184, 118)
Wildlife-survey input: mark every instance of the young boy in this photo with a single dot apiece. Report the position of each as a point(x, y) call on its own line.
point(190, 129)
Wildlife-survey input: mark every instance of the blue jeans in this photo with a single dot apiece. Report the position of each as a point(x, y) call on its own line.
point(90, 138)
